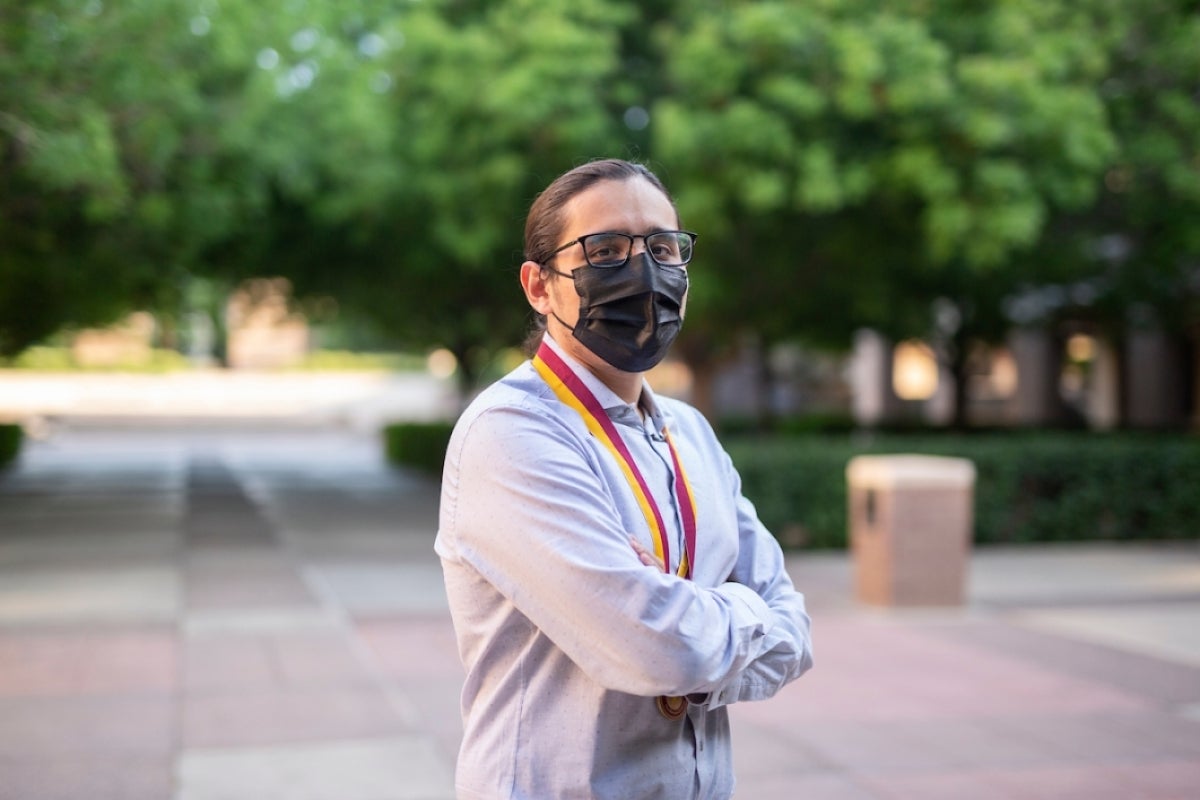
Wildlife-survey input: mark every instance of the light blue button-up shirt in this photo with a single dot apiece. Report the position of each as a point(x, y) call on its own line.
point(567, 637)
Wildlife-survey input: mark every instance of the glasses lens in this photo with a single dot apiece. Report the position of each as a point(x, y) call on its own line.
point(670, 248)
point(607, 249)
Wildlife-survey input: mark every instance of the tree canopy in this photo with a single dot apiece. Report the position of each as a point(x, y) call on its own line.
point(846, 163)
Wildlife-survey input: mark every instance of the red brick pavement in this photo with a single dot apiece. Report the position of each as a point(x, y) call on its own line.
point(149, 669)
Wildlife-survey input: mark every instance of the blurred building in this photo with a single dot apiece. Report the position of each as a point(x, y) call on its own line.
point(1040, 377)
point(128, 343)
point(263, 332)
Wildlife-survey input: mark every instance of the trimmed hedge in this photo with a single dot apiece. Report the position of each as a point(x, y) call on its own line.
point(421, 445)
point(1030, 486)
point(10, 443)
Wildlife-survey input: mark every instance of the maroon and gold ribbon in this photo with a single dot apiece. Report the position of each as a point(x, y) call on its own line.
point(567, 386)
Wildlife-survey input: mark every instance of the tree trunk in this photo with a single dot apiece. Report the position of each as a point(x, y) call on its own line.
point(696, 353)
point(961, 376)
point(467, 374)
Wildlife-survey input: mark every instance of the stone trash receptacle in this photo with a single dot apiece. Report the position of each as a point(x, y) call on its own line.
point(911, 519)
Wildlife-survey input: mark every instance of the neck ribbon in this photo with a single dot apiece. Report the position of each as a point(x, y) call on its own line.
point(567, 386)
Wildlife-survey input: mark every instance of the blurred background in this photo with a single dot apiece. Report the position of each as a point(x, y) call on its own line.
point(268, 250)
point(939, 216)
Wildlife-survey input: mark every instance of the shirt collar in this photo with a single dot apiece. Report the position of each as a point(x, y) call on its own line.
point(617, 409)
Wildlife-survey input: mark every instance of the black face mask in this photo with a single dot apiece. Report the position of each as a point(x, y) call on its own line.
point(629, 315)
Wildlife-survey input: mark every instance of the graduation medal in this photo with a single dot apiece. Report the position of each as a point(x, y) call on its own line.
point(671, 707)
point(573, 392)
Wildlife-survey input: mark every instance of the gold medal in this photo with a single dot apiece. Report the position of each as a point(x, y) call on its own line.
point(672, 708)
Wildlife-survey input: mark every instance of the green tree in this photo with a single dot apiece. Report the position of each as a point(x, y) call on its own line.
point(845, 163)
point(1140, 242)
point(121, 171)
point(849, 163)
point(71, 118)
point(396, 172)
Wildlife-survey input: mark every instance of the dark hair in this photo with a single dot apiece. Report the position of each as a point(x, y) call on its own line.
point(544, 223)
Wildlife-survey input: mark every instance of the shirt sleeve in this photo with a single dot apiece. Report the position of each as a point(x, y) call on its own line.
point(786, 653)
point(527, 507)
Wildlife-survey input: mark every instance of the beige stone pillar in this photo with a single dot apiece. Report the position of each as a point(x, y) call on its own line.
point(911, 519)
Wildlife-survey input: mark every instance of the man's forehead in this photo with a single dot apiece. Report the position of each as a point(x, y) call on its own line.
point(630, 206)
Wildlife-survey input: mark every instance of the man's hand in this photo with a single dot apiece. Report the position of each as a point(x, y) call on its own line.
point(646, 556)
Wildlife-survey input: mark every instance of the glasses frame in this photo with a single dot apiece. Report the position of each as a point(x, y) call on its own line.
point(632, 237)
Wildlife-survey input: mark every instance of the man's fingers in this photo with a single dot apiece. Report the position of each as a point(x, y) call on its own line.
point(645, 556)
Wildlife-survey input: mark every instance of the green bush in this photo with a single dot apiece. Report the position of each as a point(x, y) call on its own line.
point(1030, 486)
point(817, 422)
point(10, 443)
point(60, 359)
point(421, 445)
point(351, 361)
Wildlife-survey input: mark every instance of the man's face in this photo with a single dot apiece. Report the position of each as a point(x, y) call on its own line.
point(632, 206)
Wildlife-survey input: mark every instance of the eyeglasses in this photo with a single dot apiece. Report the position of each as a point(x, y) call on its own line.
point(609, 250)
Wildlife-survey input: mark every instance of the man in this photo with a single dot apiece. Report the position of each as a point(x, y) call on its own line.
point(611, 589)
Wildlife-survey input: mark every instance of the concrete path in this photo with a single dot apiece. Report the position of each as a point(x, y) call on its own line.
point(257, 614)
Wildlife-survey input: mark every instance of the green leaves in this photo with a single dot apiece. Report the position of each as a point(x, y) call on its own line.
point(865, 156)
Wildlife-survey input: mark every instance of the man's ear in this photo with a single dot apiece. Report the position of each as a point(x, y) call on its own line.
point(534, 280)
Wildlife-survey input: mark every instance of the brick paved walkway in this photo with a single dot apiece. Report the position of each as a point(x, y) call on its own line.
point(258, 614)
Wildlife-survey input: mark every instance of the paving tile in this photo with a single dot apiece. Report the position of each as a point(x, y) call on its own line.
point(210, 562)
point(1169, 631)
point(413, 647)
point(313, 645)
point(397, 768)
point(432, 706)
point(764, 752)
point(264, 717)
point(273, 660)
point(418, 656)
point(114, 660)
point(133, 594)
point(1172, 734)
point(1088, 572)
point(257, 578)
point(919, 746)
point(1159, 681)
point(268, 589)
point(366, 541)
point(227, 533)
point(926, 677)
point(1068, 783)
point(879, 747)
point(954, 785)
point(260, 620)
point(119, 725)
point(85, 777)
point(975, 743)
point(226, 662)
point(45, 544)
point(110, 503)
point(804, 787)
point(1110, 737)
point(327, 659)
point(365, 588)
point(1162, 778)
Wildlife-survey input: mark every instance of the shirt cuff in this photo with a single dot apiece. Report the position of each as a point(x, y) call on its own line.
point(753, 614)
